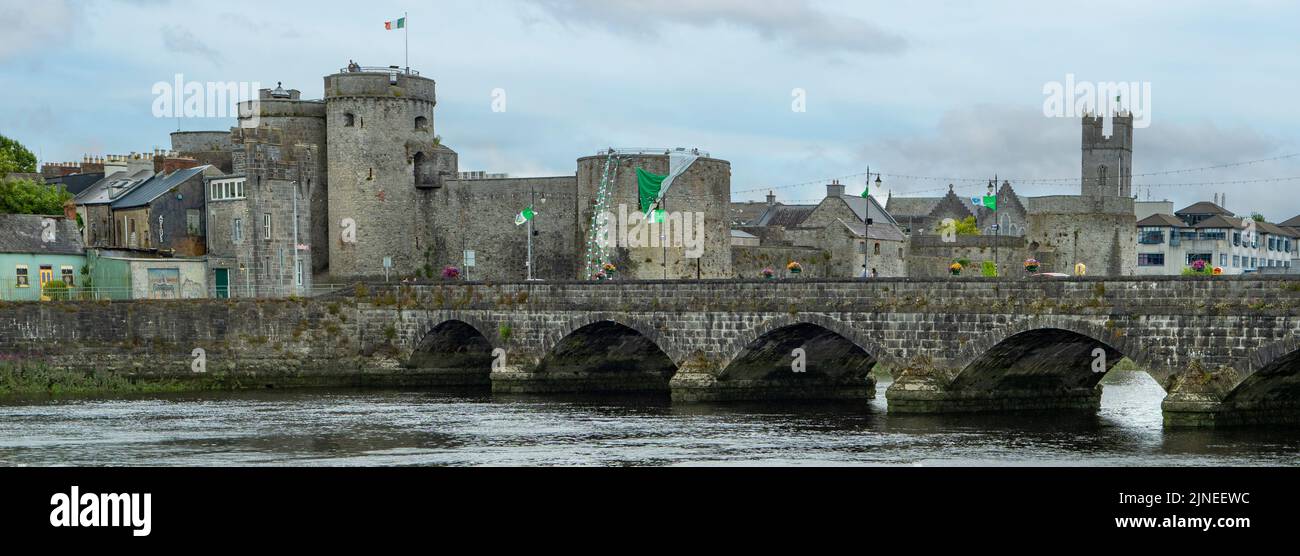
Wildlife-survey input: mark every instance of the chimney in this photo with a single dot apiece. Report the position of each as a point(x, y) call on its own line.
point(771, 199)
point(172, 164)
point(834, 189)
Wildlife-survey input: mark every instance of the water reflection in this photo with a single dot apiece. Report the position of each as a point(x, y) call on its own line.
point(473, 427)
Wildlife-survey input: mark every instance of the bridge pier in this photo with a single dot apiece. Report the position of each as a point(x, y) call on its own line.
point(695, 384)
point(922, 387)
point(518, 380)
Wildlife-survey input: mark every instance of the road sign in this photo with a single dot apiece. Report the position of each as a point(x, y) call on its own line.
point(469, 257)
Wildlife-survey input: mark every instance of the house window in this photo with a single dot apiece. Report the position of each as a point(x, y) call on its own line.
point(266, 226)
point(1254, 262)
point(1208, 258)
point(237, 231)
point(192, 222)
point(1223, 259)
point(298, 272)
point(20, 276)
point(69, 279)
point(1236, 239)
point(877, 249)
point(1151, 259)
point(1101, 176)
point(1151, 236)
point(1236, 261)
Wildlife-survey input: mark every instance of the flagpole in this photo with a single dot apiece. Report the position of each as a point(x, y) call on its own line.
point(406, 29)
point(532, 200)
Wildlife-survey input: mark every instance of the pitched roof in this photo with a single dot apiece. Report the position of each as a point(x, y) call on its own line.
point(742, 214)
point(1204, 207)
point(879, 230)
point(23, 234)
point(743, 234)
point(76, 183)
point(1274, 229)
point(111, 187)
point(1294, 222)
point(146, 192)
point(911, 206)
point(789, 216)
point(1220, 221)
point(859, 205)
point(1162, 220)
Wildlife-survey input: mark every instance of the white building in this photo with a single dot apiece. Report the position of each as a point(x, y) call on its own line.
point(1169, 243)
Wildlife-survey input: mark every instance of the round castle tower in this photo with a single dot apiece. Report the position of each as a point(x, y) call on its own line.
point(384, 164)
point(705, 188)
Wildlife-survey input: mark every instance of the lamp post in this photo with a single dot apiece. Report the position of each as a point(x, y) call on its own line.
point(866, 224)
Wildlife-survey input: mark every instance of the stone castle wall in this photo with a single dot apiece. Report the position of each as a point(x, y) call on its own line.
point(705, 187)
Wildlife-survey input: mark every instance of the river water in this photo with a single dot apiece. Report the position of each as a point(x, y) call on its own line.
point(421, 427)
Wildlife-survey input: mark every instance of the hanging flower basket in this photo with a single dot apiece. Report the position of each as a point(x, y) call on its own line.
point(602, 276)
point(955, 269)
point(768, 273)
point(1218, 271)
point(1031, 265)
point(794, 267)
point(609, 268)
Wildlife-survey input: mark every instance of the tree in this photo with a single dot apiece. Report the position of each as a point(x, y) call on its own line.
point(1257, 216)
point(19, 196)
point(965, 227)
point(14, 157)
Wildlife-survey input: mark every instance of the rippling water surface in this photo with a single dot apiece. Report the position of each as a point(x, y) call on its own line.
point(379, 428)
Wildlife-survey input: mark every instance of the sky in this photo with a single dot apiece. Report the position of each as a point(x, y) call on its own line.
point(926, 93)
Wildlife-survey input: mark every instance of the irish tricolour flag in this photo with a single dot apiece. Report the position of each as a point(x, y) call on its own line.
point(399, 23)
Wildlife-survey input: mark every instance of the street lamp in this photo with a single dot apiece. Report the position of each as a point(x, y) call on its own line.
point(866, 224)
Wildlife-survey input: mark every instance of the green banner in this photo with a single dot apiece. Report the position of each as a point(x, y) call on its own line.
point(648, 186)
point(991, 201)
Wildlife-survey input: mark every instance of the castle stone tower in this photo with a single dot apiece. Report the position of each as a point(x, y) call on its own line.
point(1108, 160)
point(385, 162)
point(297, 157)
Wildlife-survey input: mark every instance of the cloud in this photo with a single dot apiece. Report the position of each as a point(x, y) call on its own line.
point(181, 40)
point(796, 22)
point(1022, 145)
point(33, 25)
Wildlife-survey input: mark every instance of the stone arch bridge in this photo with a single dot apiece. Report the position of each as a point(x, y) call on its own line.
point(1225, 349)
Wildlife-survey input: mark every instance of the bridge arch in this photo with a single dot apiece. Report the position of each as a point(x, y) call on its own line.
point(738, 347)
point(1047, 354)
point(606, 352)
point(455, 351)
point(1270, 378)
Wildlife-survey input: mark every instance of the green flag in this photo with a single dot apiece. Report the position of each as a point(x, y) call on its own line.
point(648, 186)
point(991, 201)
point(866, 192)
point(524, 216)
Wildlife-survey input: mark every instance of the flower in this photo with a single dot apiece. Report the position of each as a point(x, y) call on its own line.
point(955, 267)
point(1218, 270)
point(1031, 263)
point(794, 266)
point(601, 275)
point(1198, 265)
point(451, 272)
point(609, 267)
point(768, 272)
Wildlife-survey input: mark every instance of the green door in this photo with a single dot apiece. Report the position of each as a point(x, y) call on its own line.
point(223, 283)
